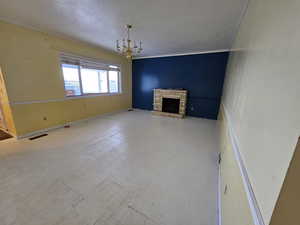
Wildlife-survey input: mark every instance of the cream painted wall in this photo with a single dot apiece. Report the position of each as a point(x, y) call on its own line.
point(262, 92)
point(30, 64)
point(235, 208)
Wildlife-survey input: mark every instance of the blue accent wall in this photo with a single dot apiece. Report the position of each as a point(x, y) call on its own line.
point(201, 75)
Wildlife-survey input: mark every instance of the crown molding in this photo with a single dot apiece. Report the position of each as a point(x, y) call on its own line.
point(182, 54)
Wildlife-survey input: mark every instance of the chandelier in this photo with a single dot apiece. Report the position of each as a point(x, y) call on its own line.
point(127, 49)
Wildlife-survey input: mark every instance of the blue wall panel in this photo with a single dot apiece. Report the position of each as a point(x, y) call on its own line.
point(202, 75)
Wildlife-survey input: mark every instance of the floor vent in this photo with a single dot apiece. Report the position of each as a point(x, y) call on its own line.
point(39, 136)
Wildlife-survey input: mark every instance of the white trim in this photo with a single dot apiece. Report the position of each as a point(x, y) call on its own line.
point(37, 132)
point(181, 54)
point(219, 218)
point(64, 99)
point(79, 76)
point(255, 211)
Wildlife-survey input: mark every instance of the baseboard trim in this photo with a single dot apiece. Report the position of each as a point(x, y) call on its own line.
point(38, 132)
point(255, 210)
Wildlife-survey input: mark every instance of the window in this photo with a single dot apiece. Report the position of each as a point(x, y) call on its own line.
point(113, 81)
point(86, 77)
point(71, 77)
point(94, 81)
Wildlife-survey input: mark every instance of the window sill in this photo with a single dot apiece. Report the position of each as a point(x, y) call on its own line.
point(92, 95)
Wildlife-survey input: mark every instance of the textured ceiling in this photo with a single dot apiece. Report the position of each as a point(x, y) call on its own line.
point(165, 26)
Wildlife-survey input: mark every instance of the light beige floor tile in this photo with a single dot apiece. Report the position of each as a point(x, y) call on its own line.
point(129, 168)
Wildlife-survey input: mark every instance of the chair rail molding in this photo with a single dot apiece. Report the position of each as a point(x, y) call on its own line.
point(255, 210)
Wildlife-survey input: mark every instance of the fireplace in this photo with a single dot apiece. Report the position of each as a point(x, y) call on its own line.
point(169, 102)
point(170, 105)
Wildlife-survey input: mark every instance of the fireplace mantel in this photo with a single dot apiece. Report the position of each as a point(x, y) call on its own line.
point(160, 94)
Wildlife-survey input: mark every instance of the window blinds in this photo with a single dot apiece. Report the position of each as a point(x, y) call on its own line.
point(87, 62)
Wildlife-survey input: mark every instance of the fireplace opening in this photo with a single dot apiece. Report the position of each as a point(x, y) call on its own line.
point(170, 105)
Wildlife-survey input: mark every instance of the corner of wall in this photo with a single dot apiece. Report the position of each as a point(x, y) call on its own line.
point(9, 123)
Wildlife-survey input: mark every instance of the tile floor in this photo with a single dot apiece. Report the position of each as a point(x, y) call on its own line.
point(130, 168)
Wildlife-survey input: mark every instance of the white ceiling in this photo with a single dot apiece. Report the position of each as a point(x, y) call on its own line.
point(165, 26)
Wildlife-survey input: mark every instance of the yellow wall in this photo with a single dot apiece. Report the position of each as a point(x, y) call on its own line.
point(261, 95)
point(31, 68)
point(235, 208)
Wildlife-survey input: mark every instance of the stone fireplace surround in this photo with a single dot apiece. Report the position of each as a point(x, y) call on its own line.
point(158, 96)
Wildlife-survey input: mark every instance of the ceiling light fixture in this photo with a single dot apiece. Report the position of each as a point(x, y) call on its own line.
point(127, 49)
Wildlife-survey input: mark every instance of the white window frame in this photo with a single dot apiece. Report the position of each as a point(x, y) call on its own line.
point(83, 62)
